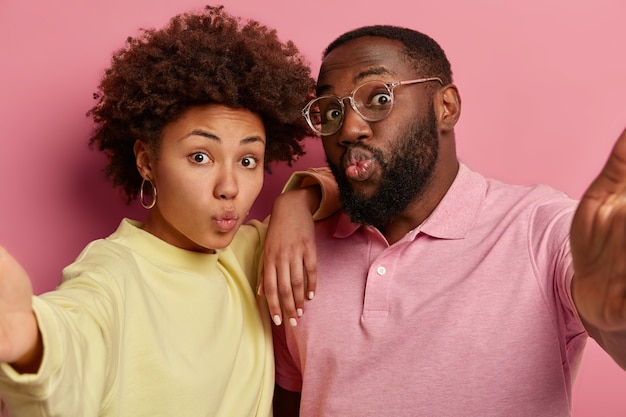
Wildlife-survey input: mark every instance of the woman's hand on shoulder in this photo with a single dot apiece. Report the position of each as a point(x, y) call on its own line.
point(290, 255)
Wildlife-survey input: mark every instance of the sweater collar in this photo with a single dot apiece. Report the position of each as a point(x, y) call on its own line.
point(151, 247)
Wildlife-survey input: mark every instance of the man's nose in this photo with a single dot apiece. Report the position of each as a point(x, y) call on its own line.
point(354, 127)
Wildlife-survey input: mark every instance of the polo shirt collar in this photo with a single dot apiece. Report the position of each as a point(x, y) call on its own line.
point(453, 218)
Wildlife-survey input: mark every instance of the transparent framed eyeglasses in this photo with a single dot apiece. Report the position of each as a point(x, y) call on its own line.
point(372, 101)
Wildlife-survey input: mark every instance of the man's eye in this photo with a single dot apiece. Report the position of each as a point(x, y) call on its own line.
point(333, 114)
point(381, 99)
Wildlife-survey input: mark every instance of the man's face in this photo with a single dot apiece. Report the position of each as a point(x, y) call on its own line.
point(381, 167)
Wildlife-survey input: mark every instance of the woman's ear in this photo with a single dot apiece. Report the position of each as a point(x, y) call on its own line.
point(143, 160)
point(448, 108)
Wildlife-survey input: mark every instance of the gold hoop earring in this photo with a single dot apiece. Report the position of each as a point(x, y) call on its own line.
point(141, 194)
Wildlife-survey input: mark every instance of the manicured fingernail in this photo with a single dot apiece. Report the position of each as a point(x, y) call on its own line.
point(311, 295)
point(277, 320)
point(299, 312)
point(293, 322)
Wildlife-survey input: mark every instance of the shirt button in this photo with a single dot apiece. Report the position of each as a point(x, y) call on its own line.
point(381, 270)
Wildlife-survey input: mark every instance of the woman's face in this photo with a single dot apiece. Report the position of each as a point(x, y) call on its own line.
point(207, 174)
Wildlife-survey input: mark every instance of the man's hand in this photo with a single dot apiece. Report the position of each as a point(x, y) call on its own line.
point(598, 241)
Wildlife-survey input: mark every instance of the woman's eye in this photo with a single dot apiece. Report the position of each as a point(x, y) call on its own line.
point(199, 158)
point(249, 162)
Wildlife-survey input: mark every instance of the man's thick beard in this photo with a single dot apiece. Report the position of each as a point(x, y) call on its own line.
point(403, 177)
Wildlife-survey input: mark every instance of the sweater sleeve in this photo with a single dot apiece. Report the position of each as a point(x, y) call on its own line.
point(324, 178)
point(74, 322)
point(247, 247)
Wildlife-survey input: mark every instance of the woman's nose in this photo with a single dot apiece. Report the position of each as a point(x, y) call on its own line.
point(226, 187)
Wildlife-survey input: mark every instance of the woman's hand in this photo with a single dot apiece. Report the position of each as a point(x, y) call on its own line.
point(290, 254)
point(20, 341)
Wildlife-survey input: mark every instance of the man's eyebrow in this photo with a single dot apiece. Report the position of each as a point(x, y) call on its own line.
point(323, 88)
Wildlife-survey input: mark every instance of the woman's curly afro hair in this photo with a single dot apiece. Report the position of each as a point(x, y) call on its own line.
point(198, 59)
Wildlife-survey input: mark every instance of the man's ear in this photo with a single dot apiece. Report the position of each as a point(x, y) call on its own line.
point(143, 160)
point(448, 107)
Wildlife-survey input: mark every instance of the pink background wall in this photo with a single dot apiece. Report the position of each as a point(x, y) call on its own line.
point(543, 85)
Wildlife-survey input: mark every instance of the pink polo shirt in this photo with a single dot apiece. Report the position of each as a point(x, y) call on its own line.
point(470, 314)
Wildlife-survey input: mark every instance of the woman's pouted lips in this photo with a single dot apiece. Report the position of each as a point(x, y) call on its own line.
point(227, 221)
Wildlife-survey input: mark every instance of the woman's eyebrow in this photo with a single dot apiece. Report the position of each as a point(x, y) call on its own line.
point(209, 135)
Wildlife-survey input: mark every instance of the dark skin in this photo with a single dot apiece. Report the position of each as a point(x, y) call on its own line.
point(598, 234)
point(598, 240)
point(410, 103)
point(344, 69)
point(360, 61)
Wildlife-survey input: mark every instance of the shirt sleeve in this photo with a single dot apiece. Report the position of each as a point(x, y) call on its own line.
point(324, 178)
point(549, 228)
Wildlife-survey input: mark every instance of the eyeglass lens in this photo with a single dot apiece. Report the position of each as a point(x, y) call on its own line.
point(372, 101)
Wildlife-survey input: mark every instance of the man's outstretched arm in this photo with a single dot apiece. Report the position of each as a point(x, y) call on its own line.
point(598, 240)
